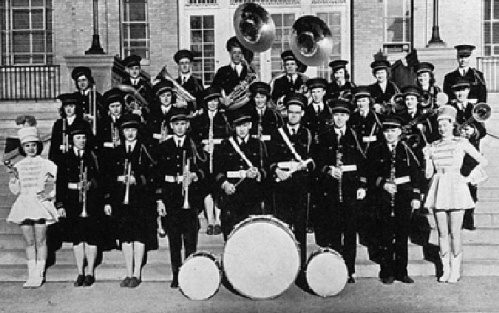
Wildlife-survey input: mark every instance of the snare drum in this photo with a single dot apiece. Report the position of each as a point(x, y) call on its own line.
point(261, 257)
point(199, 277)
point(326, 272)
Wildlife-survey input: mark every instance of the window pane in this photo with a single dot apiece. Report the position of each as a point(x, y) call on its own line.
point(495, 32)
point(289, 19)
point(38, 42)
point(138, 31)
point(209, 51)
point(209, 36)
point(487, 7)
point(37, 3)
point(277, 19)
point(197, 36)
point(196, 22)
point(496, 10)
point(20, 3)
point(209, 22)
point(394, 30)
point(20, 59)
point(135, 10)
point(37, 19)
point(20, 19)
point(20, 42)
point(38, 59)
point(496, 50)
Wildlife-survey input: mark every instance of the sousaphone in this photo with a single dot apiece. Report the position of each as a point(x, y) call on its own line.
point(311, 40)
point(254, 27)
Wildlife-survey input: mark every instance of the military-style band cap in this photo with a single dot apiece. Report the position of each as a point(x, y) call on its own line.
point(81, 71)
point(179, 114)
point(297, 99)
point(162, 86)
point(392, 121)
point(317, 83)
point(181, 54)
point(410, 91)
point(380, 64)
point(130, 121)
point(464, 50)
point(260, 87)
point(361, 92)
point(68, 98)
point(132, 60)
point(338, 105)
point(424, 67)
point(211, 93)
point(337, 64)
point(461, 82)
point(113, 95)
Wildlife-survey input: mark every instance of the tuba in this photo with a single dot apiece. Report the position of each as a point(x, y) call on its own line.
point(254, 27)
point(311, 40)
point(481, 112)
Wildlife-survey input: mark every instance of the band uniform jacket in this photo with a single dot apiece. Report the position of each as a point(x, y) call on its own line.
point(227, 78)
point(368, 129)
point(352, 162)
point(156, 120)
point(381, 97)
point(56, 140)
point(143, 87)
point(414, 126)
point(268, 123)
point(283, 86)
point(317, 122)
point(407, 176)
point(194, 86)
point(464, 115)
point(478, 89)
point(169, 170)
point(85, 98)
point(345, 91)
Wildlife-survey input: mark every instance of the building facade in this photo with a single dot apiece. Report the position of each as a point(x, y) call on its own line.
point(46, 32)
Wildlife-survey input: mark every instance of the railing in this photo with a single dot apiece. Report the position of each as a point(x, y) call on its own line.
point(30, 82)
point(490, 68)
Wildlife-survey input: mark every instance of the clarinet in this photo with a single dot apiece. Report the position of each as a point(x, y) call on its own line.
point(65, 139)
point(127, 174)
point(392, 180)
point(83, 189)
point(339, 163)
point(211, 144)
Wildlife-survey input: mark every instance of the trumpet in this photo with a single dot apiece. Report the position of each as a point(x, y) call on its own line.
point(83, 189)
point(185, 180)
point(127, 174)
point(179, 90)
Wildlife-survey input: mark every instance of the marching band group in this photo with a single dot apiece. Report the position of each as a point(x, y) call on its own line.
point(312, 153)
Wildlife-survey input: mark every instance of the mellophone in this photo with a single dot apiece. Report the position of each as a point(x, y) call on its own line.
point(261, 260)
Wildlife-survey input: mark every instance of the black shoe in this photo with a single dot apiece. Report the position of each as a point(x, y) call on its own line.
point(310, 230)
point(406, 280)
point(125, 282)
point(217, 230)
point(351, 280)
point(79, 281)
point(89, 281)
point(174, 284)
point(209, 230)
point(134, 282)
point(388, 280)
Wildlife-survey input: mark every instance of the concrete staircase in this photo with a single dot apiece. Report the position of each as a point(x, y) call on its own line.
point(481, 247)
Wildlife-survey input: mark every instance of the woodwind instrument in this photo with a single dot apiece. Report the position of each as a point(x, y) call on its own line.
point(115, 136)
point(185, 180)
point(83, 189)
point(161, 230)
point(339, 163)
point(65, 139)
point(392, 181)
point(93, 109)
point(164, 131)
point(211, 144)
point(127, 174)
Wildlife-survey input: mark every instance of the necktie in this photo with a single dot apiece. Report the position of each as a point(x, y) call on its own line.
point(293, 131)
point(184, 80)
point(179, 143)
point(129, 149)
point(463, 72)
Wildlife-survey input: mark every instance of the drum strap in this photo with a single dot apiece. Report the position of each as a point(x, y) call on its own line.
point(289, 144)
point(240, 152)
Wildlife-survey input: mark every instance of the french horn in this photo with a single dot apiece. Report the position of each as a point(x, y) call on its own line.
point(311, 40)
point(255, 28)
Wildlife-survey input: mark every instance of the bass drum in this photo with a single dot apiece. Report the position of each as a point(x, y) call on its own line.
point(199, 277)
point(261, 257)
point(326, 272)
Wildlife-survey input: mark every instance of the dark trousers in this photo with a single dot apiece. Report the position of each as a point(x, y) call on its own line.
point(236, 208)
point(291, 208)
point(394, 233)
point(469, 215)
point(336, 228)
point(181, 225)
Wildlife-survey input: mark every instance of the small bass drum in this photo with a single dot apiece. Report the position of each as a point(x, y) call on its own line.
point(261, 257)
point(326, 272)
point(199, 277)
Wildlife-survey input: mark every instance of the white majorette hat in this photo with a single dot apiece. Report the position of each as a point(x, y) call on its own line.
point(447, 112)
point(28, 134)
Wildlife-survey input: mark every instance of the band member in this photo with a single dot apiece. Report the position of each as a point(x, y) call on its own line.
point(33, 209)
point(317, 114)
point(394, 176)
point(191, 84)
point(229, 76)
point(341, 164)
point(124, 198)
point(134, 79)
point(340, 85)
point(383, 89)
point(267, 120)
point(239, 173)
point(478, 88)
point(429, 90)
point(71, 115)
point(290, 148)
point(364, 120)
point(84, 83)
point(209, 129)
point(178, 172)
point(291, 81)
point(158, 122)
point(448, 195)
point(470, 129)
point(79, 205)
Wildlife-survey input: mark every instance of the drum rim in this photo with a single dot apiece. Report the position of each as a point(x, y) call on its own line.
point(265, 219)
point(211, 257)
point(318, 252)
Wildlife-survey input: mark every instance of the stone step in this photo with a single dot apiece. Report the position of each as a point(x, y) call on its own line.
point(488, 192)
point(8, 127)
point(39, 115)
point(25, 106)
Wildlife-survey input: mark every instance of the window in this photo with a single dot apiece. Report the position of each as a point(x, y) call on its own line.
point(201, 2)
point(202, 31)
point(333, 21)
point(491, 27)
point(135, 28)
point(397, 26)
point(26, 32)
point(283, 24)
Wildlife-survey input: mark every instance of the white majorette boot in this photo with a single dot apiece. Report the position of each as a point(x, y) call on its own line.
point(455, 268)
point(31, 274)
point(40, 271)
point(445, 268)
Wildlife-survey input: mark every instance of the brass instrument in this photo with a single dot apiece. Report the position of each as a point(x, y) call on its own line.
point(65, 138)
point(481, 112)
point(179, 90)
point(254, 27)
point(133, 98)
point(127, 174)
point(392, 180)
point(82, 197)
point(185, 180)
point(241, 94)
point(311, 40)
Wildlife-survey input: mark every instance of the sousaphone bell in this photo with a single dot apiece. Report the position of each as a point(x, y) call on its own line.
point(254, 27)
point(311, 40)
